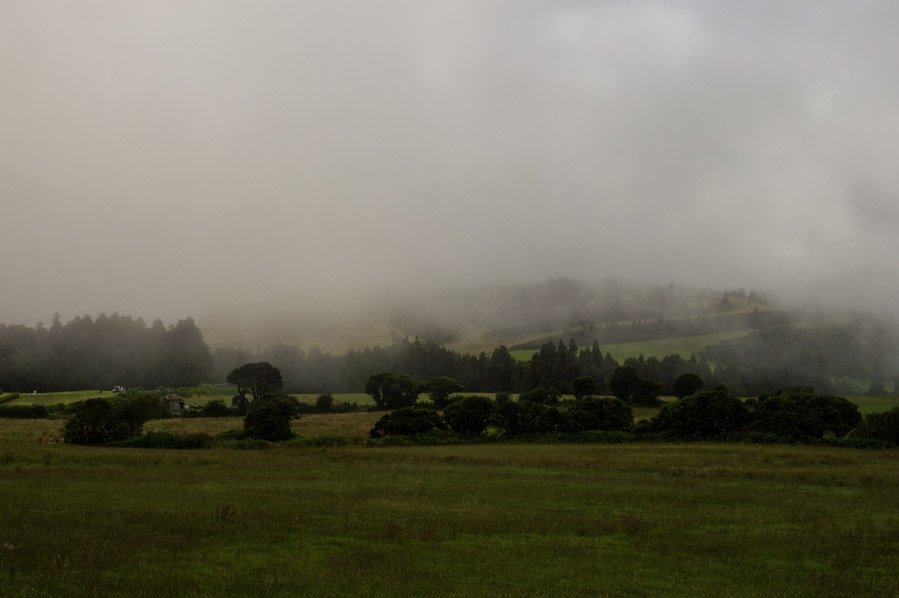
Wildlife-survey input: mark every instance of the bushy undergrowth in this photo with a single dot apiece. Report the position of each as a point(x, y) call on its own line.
point(269, 418)
point(99, 421)
point(707, 415)
point(797, 415)
point(165, 440)
point(24, 411)
point(804, 416)
point(883, 426)
point(407, 422)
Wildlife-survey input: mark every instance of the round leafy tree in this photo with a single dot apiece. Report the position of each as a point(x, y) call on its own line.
point(802, 415)
point(393, 391)
point(215, 408)
point(469, 416)
point(597, 413)
point(440, 388)
point(269, 418)
point(710, 414)
point(686, 384)
point(259, 379)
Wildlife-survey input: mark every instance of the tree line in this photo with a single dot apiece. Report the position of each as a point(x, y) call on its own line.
point(792, 415)
point(101, 353)
point(555, 367)
point(116, 350)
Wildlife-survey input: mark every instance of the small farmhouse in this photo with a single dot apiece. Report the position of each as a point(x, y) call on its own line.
point(175, 403)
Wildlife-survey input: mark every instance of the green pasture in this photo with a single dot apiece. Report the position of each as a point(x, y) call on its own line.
point(52, 398)
point(478, 520)
point(659, 348)
point(868, 404)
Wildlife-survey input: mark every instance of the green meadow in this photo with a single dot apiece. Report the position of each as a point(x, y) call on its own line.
point(873, 404)
point(335, 517)
point(475, 520)
point(659, 348)
point(52, 398)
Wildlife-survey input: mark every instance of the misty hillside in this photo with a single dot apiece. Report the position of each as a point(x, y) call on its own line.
point(515, 315)
point(734, 337)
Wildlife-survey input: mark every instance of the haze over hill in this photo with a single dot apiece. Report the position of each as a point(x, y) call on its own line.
point(168, 159)
point(479, 319)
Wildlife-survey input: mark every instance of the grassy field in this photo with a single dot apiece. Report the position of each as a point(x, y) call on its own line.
point(873, 404)
point(478, 520)
point(52, 398)
point(684, 346)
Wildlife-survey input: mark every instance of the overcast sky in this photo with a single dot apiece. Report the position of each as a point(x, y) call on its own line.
point(163, 158)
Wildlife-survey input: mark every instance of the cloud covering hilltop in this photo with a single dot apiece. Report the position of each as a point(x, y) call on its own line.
point(165, 158)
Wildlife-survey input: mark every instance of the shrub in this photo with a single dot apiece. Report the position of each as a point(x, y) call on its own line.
point(269, 418)
point(393, 391)
point(647, 393)
point(131, 412)
point(24, 411)
point(216, 408)
point(304, 408)
point(345, 407)
point(804, 416)
point(710, 414)
point(884, 426)
point(97, 421)
point(165, 440)
point(540, 395)
point(593, 413)
point(440, 388)
point(583, 386)
point(526, 417)
point(252, 444)
point(503, 397)
point(686, 384)
point(627, 385)
point(89, 423)
point(407, 421)
point(324, 403)
point(235, 434)
point(469, 416)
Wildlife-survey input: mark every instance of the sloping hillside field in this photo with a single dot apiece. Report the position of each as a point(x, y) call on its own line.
point(659, 348)
point(476, 520)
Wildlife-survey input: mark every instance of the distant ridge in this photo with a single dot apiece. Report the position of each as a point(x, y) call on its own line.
point(520, 316)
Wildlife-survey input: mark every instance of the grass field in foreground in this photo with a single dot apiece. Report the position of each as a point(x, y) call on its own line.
point(659, 348)
point(481, 520)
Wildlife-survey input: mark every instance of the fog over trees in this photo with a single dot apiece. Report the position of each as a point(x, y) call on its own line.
point(169, 159)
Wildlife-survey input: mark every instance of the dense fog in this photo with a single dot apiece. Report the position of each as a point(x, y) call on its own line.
point(171, 158)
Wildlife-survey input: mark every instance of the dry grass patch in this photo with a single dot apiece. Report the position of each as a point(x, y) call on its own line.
point(194, 425)
point(31, 430)
point(350, 426)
